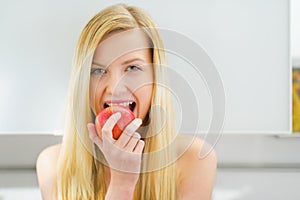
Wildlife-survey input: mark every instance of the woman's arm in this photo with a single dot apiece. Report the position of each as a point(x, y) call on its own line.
point(46, 170)
point(196, 178)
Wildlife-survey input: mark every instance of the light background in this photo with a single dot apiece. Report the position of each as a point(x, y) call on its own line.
point(247, 40)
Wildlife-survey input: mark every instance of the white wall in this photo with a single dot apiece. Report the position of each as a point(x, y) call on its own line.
point(247, 41)
point(295, 32)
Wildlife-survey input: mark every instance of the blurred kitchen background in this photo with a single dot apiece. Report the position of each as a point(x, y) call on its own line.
point(254, 45)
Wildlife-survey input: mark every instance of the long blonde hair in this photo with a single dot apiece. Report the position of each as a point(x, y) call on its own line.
point(79, 175)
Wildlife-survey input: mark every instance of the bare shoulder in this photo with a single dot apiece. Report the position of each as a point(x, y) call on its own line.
point(46, 166)
point(194, 147)
point(197, 168)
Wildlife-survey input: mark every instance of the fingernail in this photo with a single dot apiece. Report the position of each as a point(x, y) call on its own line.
point(138, 121)
point(117, 115)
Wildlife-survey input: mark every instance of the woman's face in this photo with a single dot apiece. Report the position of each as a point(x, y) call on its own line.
point(122, 73)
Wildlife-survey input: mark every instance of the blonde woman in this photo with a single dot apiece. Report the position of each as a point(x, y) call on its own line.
point(120, 60)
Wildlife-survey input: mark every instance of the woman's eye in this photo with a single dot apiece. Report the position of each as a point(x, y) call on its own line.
point(98, 71)
point(133, 68)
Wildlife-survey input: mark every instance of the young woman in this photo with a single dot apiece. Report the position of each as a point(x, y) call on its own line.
point(120, 60)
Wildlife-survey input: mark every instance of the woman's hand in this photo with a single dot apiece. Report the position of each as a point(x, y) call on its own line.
point(123, 155)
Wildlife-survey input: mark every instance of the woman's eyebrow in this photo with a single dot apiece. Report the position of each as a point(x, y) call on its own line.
point(124, 63)
point(94, 63)
point(132, 60)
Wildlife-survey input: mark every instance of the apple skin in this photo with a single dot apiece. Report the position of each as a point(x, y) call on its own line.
point(126, 117)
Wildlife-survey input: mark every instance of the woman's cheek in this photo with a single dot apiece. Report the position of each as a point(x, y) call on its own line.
point(145, 95)
point(94, 97)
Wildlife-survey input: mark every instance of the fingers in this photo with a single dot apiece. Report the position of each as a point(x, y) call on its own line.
point(133, 141)
point(129, 140)
point(108, 126)
point(129, 132)
point(139, 147)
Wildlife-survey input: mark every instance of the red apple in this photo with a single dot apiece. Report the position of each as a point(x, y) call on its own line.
point(126, 117)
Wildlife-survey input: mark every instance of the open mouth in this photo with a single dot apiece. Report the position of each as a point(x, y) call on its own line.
point(131, 105)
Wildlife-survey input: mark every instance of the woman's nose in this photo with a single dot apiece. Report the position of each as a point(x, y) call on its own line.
point(116, 84)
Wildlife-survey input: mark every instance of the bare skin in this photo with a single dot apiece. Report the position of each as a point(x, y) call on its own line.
point(195, 176)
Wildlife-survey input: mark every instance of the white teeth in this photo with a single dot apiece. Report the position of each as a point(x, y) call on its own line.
point(120, 104)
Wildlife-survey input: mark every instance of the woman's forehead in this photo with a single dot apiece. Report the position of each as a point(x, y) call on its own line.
point(119, 44)
point(142, 57)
